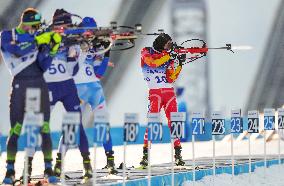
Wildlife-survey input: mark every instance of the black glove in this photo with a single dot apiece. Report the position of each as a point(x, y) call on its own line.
point(181, 59)
point(105, 44)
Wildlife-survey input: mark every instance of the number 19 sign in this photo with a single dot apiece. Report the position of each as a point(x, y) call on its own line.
point(155, 127)
point(177, 125)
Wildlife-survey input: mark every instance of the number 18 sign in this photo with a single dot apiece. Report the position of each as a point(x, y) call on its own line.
point(131, 127)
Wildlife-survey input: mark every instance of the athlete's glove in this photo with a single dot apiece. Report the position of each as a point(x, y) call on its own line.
point(181, 59)
point(49, 38)
point(105, 44)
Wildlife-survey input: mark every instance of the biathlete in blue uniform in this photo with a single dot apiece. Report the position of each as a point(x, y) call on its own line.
point(27, 56)
point(91, 68)
point(62, 87)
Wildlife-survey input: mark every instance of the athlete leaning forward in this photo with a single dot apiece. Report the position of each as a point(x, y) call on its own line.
point(160, 72)
point(27, 55)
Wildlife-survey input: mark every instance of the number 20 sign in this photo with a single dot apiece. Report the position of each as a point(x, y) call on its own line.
point(177, 125)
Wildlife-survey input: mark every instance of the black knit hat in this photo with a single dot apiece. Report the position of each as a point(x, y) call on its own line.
point(61, 17)
point(160, 41)
point(30, 16)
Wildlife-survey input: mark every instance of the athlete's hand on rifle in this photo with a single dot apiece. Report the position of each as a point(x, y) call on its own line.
point(49, 38)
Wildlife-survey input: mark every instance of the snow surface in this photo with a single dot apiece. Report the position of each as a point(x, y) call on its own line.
point(272, 176)
point(160, 153)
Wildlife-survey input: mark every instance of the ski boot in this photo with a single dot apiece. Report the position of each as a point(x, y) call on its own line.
point(49, 174)
point(10, 174)
point(88, 171)
point(178, 158)
point(144, 161)
point(57, 167)
point(110, 163)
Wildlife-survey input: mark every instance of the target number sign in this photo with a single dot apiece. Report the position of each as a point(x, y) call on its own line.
point(198, 123)
point(269, 119)
point(253, 121)
point(177, 125)
point(70, 128)
point(280, 118)
point(101, 127)
point(131, 127)
point(218, 123)
point(155, 127)
point(33, 123)
point(236, 121)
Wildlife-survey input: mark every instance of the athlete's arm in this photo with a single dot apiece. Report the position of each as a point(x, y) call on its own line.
point(101, 69)
point(154, 60)
point(173, 73)
point(43, 58)
point(72, 60)
point(17, 49)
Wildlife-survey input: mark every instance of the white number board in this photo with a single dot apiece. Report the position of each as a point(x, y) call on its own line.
point(33, 123)
point(280, 118)
point(155, 127)
point(70, 128)
point(198, 123)
point(269, 119)
point(101, 127)
point(253, 121)
point(131, 127)
point(236, 121)
point(32, 100)
point(177, 125)
point(218, 123)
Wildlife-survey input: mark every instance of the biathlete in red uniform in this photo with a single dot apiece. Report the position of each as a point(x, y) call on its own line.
point(157, 65)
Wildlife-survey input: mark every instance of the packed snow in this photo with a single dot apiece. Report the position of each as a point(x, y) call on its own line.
point(134, 154)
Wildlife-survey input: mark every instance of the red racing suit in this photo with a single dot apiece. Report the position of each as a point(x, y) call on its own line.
point(159, 74)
